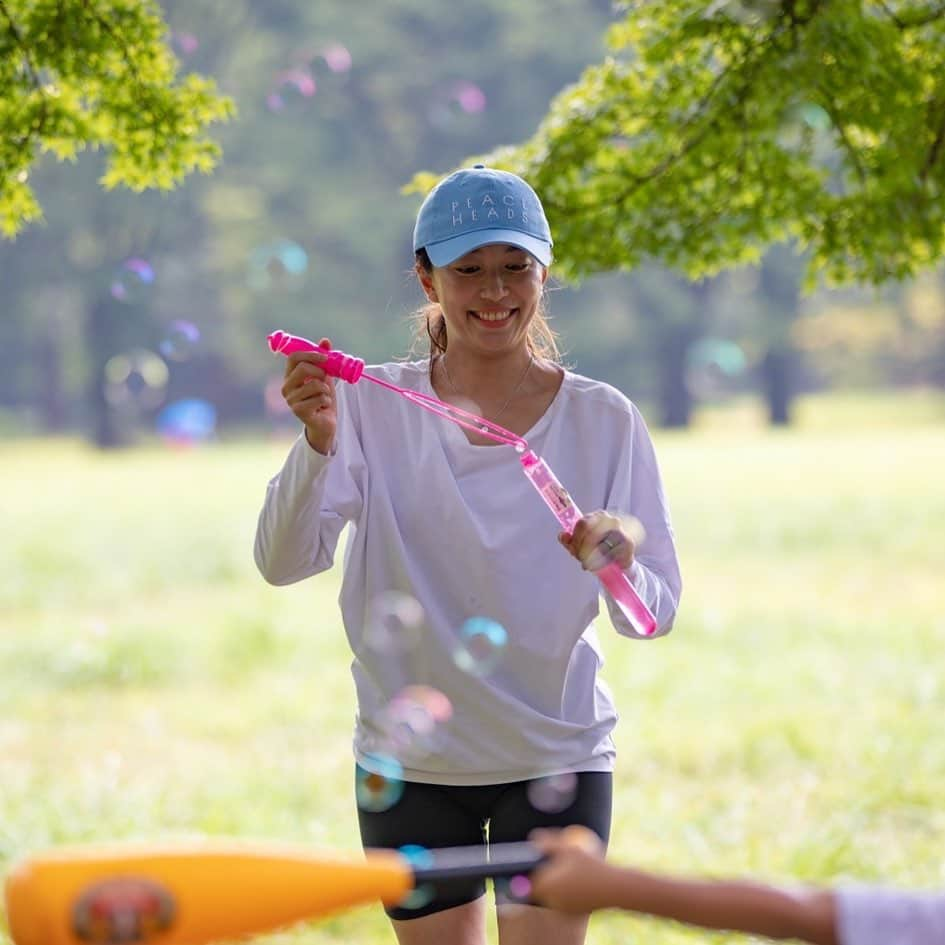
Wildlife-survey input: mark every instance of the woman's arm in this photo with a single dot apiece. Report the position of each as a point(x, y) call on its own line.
point(638, 492)
point(308, 504)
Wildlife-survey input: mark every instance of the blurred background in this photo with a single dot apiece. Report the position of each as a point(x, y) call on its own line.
point(126, 316)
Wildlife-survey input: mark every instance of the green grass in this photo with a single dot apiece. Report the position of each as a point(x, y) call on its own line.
point(154, 687)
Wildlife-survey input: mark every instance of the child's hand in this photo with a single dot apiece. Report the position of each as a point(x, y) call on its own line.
point(571, 879)
point(601, 538)
point(310, 394)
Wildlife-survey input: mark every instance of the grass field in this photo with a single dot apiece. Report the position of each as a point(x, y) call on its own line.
point(792, 725)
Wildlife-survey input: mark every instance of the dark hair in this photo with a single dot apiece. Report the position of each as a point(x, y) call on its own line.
point(430, 325)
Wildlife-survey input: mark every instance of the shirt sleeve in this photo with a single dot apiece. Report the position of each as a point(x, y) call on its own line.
point(309, 502)
point(876, 915)
point(655, 572)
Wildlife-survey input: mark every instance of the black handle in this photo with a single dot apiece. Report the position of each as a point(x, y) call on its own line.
point(501, 859)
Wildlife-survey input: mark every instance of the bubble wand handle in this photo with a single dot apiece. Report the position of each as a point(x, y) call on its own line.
point(351, 369)
point(336, 363)
point(613, 577)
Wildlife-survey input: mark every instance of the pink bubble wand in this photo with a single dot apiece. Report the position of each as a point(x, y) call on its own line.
point(351, 369)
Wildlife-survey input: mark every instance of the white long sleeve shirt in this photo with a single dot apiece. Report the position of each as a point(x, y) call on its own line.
point(462, 530)
point(876, 915)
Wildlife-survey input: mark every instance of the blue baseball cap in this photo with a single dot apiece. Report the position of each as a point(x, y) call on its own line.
point(479, 206)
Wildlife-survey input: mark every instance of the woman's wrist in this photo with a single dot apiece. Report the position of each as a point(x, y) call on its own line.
point(313, 442)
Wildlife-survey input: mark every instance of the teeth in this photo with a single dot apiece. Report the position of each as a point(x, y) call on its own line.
point(494, 316)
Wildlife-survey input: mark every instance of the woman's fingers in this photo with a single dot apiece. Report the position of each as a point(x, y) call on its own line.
point(602, 538)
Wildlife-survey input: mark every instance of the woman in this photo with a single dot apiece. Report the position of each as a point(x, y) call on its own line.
point(445, 517)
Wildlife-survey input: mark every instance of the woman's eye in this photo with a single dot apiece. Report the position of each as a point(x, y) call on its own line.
point(467, 270)
point(517, 267)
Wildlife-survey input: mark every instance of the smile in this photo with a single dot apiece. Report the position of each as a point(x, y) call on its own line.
point(500, 315)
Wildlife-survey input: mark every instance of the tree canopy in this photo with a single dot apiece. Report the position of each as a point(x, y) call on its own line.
point(712, 130)
point(97, 75)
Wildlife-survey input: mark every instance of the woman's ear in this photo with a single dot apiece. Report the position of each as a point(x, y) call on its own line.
point(426, 283)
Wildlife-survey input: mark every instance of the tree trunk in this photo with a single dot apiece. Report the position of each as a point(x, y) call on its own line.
point(101, 329)
point(781, 274)
point(52, 389)
point(777, 370)
point(675, 397)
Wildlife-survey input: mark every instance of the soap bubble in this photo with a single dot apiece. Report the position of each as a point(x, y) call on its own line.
point(184, 44)
point(513, 889)
point(291, 86)
point(409, 723)
point(278, 264)
point(802, 125)
point(132, 280)
point(135, 379)
point(187, 421)
point(480, 646)
point(379, 786)
point(460, 100)
point(394, 622)
point(714, 367)
point(180, 339)
point(336, 57)
point(419, 858)
point(553, 794)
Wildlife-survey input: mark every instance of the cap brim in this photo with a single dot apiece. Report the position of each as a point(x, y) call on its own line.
point(447, 251)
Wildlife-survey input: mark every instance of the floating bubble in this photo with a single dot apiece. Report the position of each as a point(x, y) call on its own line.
point(394, 622)
point(513, 889)
point(801, 124)
point(409, 723)
point(553, 794)
point(380, 786)
point(470, 98)
point(184, 44)
point(136, 379)
point(460, 100)
point(132, 280)
point(520, 887)
point(180, 340)
point(714, 367)
point(188, 421)
point(419, 858)
point(279, 264)
point(336, 57)
point(291, 86)
point(480, 646)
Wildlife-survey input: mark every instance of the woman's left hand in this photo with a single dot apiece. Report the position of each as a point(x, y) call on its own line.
point(601, 538)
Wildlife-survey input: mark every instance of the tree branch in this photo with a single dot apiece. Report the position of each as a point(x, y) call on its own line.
point(743, 71)
point(31, 71)
point(916, 19)
point(935, 150)
point(841, 132)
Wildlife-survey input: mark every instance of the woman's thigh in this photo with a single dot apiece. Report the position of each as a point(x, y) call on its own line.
point(429, 816)
point(584, 798)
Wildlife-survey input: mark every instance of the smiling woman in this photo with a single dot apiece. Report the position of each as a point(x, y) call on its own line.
point(443, 520)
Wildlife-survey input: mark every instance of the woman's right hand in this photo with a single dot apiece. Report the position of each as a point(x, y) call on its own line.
point(310, 394)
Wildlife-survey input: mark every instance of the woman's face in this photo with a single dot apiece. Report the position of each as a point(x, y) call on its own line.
point(488, 296)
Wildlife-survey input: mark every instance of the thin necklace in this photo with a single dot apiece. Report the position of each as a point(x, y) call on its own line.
point(502, 409)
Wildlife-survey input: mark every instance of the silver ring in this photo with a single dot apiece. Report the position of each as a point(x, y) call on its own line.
point(610, 541)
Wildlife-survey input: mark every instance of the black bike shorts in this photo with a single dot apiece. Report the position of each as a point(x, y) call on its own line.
point(434, 815)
